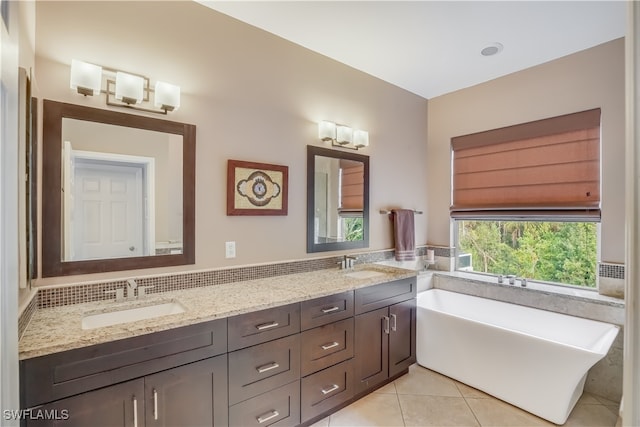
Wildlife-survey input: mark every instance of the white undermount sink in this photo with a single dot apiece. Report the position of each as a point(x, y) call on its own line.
point(126, 315)
point(364, 274)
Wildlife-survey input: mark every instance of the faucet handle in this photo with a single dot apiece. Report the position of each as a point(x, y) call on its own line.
point(119, 293)
point(142, 290)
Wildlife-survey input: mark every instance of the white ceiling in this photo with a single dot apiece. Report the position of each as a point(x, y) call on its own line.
point(433, 47)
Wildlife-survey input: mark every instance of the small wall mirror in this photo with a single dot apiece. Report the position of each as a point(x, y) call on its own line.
point(118, 191)
point(337, 200)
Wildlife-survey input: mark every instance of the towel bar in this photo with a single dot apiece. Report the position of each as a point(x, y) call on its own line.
point(385, 212)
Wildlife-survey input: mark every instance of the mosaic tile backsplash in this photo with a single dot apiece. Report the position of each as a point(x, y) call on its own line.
point(82, 293)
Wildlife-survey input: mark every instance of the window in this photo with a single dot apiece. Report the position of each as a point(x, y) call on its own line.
point(557, 252)
point(526, 199)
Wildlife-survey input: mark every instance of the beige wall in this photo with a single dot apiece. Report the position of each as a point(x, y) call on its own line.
point(588, 79)
point(253, 96)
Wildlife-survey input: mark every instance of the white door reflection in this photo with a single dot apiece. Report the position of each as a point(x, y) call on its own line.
point(109, 205)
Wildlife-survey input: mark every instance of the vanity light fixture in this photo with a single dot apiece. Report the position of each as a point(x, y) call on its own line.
point(86, 78)
point(123, 89)
point(343, 136)
point(129, 88)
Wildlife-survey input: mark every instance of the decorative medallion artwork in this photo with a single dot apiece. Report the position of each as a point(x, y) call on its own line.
point(256, 188)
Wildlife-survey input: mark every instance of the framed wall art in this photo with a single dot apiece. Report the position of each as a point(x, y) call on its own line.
point(256, 188)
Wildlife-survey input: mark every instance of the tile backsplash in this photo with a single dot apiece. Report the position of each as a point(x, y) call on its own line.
point(47, 297)
point(55, 296)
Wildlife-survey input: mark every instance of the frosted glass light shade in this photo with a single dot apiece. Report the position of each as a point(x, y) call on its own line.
point(167, 96)
point(344, 135)
point(129, 88)
point(361, 138)
point(326, 131)
point(85, 78)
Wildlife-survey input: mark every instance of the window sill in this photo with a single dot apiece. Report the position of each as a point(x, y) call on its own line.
point(561, 299)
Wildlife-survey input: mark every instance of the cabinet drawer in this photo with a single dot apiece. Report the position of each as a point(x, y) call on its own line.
point(264, 325)
point(55, 376)
point(325, 346)
point(385, 294)
point(326, 389)
point(279, 407)
point(320, 311)
point(263, 367)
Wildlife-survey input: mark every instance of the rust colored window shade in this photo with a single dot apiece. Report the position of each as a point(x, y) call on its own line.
point(352, 186)
point(547, 169)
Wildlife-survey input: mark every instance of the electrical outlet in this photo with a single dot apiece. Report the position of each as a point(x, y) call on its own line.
point(230, 249)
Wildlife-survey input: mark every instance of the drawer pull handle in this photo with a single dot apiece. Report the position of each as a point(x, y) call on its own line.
point(266, 417)
point(330, 310)
point(394, 322)
point(155, 404)
point(330, 346)
point(135, 412)
point(265, 368)
point(386, 324)
point(330, 389)
point(264, 326)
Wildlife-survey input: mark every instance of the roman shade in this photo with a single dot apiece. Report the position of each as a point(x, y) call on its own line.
point(544, 170)
point(352, 186)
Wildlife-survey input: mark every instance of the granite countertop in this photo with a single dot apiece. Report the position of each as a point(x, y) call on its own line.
point(53, 330)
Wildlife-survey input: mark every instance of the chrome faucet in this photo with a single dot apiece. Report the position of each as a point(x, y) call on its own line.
point(131, 288)
point(348, 261)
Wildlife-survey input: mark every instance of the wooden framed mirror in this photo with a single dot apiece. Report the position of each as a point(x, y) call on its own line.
point(118, 191)
point(337, 200)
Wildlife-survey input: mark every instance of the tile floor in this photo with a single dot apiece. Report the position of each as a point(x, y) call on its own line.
point(426, 398)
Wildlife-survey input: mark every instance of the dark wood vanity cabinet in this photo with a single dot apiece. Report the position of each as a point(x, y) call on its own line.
point(326, 354)
point(120, 405)
point(264, 369)
point(190, 395)
point(174, 377)
point(384, 334)
point(283, 366)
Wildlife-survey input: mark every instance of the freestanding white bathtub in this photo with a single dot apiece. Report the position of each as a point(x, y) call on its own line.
point(534, 359)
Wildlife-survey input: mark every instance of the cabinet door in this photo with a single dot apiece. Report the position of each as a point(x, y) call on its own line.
point(113, 406)
point(402, 336)
point(190, 395)
point(371, 349)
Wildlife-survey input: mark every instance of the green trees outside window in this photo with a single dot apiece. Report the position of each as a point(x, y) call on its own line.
point(353, 228)
point(561, 252)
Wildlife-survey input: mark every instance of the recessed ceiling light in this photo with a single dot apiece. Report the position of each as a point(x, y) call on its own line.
point(492, 49)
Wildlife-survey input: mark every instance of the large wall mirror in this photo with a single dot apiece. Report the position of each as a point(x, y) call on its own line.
point(337, 200)
point(118, 191)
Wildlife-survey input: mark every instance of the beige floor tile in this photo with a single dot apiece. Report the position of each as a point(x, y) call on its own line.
point(436, 411)
point(387, 389)
point(468, 391)
point(494, 412)
point(585, 415)
point(588, 399)
point(614, 409)
point(606, 401)
point(376, 409)
point(421, 381)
